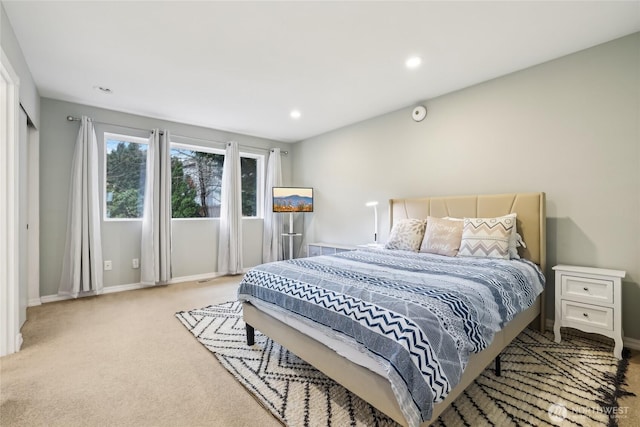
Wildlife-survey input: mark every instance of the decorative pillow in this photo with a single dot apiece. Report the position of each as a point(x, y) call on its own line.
point(514, 238)
point(442, 236)
point(487, 237)
point(514, 243)
point(406, 235)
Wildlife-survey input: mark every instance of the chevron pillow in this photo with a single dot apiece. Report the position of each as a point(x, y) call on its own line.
point(487, 237)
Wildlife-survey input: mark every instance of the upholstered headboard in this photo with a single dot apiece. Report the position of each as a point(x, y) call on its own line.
point(530, 207)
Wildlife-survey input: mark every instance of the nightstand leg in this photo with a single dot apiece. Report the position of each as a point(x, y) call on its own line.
point(556, 331)
point(617, 350)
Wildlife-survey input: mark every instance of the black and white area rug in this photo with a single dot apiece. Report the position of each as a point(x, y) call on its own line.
point(577, 382)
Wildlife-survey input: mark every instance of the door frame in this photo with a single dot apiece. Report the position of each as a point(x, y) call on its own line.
point(33, 261)
point(10, 337)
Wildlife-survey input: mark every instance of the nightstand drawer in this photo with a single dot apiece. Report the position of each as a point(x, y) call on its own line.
point(587, 289)
point(338, 250)
point(314, 250)
point(597, 317)
point(328, 251)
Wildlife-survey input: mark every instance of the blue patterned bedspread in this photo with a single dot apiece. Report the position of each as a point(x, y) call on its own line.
point(420, 315)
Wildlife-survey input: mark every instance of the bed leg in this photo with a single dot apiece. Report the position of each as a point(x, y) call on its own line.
point(498, 371)
point(250, 334)
point(543, 314)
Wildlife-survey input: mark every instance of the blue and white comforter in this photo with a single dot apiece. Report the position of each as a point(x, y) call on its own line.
point(420, 315)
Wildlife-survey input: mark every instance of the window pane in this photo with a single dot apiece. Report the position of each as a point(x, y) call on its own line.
point(126, 170)
point(195, 185)
point(249, 172)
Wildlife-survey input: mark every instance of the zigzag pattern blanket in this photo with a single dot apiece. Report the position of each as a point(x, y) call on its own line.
point(419, 315)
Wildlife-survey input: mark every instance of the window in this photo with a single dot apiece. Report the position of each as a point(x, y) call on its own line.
point(249, 183)
point(125, 166)
point(196, 179)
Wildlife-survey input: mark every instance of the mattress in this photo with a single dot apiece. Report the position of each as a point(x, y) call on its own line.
point(326, 336)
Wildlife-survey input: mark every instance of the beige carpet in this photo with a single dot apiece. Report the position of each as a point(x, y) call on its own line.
point(123, 360)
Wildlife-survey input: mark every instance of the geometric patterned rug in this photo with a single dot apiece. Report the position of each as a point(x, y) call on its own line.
point(575, 382)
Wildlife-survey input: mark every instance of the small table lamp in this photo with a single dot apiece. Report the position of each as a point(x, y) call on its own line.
point(374, 205)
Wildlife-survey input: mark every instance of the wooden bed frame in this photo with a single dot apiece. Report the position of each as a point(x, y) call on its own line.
point(376, 389)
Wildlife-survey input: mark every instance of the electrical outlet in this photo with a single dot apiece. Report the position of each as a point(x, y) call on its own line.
point(135, 263)
point(108, 265)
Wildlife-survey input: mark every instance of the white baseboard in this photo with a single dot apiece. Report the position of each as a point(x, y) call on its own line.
point(129, 287)
point(631, 343)
point(200, 277)
point(194, 278)
point(34, 302)
point(122, 288)
point(54, 298)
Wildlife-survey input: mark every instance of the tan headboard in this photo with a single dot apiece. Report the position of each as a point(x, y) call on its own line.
point(530, 207)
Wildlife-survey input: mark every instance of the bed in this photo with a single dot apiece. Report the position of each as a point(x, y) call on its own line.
point(358, 374)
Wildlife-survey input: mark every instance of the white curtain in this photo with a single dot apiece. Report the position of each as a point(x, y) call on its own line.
point(82, 263)
point(230, 242)
point(272, 231)
point(155, 245)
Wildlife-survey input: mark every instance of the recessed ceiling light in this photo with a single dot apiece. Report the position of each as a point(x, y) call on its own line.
point(413, 62)
point(295, 114)
point(103, 89)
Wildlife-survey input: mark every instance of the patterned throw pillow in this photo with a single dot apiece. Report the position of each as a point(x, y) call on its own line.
point(442, 236)
point(406, 235)
point(487, 237)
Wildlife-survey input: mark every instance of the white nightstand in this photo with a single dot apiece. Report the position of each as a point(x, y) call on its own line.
point(589, 299)
point(315, 249)
point(372, 245)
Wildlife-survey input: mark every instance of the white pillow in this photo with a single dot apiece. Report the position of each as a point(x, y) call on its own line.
point(515, 240)
point(513, 251)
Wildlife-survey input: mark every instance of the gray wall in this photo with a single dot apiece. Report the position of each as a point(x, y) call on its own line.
point(569, 127)
point(29, 97)
point(195, 241)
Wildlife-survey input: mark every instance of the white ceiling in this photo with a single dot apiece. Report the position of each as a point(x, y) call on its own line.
point(243, 66)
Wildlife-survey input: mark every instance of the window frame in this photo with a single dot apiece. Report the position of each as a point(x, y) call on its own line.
point(259, 183)
point(259, 178)
point(106, 136)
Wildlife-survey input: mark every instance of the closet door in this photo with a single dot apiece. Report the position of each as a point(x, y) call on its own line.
point(23, 236)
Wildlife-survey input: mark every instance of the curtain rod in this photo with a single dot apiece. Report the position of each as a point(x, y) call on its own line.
point(77, 119)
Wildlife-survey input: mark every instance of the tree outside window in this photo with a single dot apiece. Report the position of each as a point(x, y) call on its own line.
point(126, 162)
point(249, 179)
point(197, 182)
point(196, 179)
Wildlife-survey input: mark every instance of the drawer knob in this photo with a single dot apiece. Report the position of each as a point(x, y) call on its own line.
point(585, 314)
point(586, 289)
